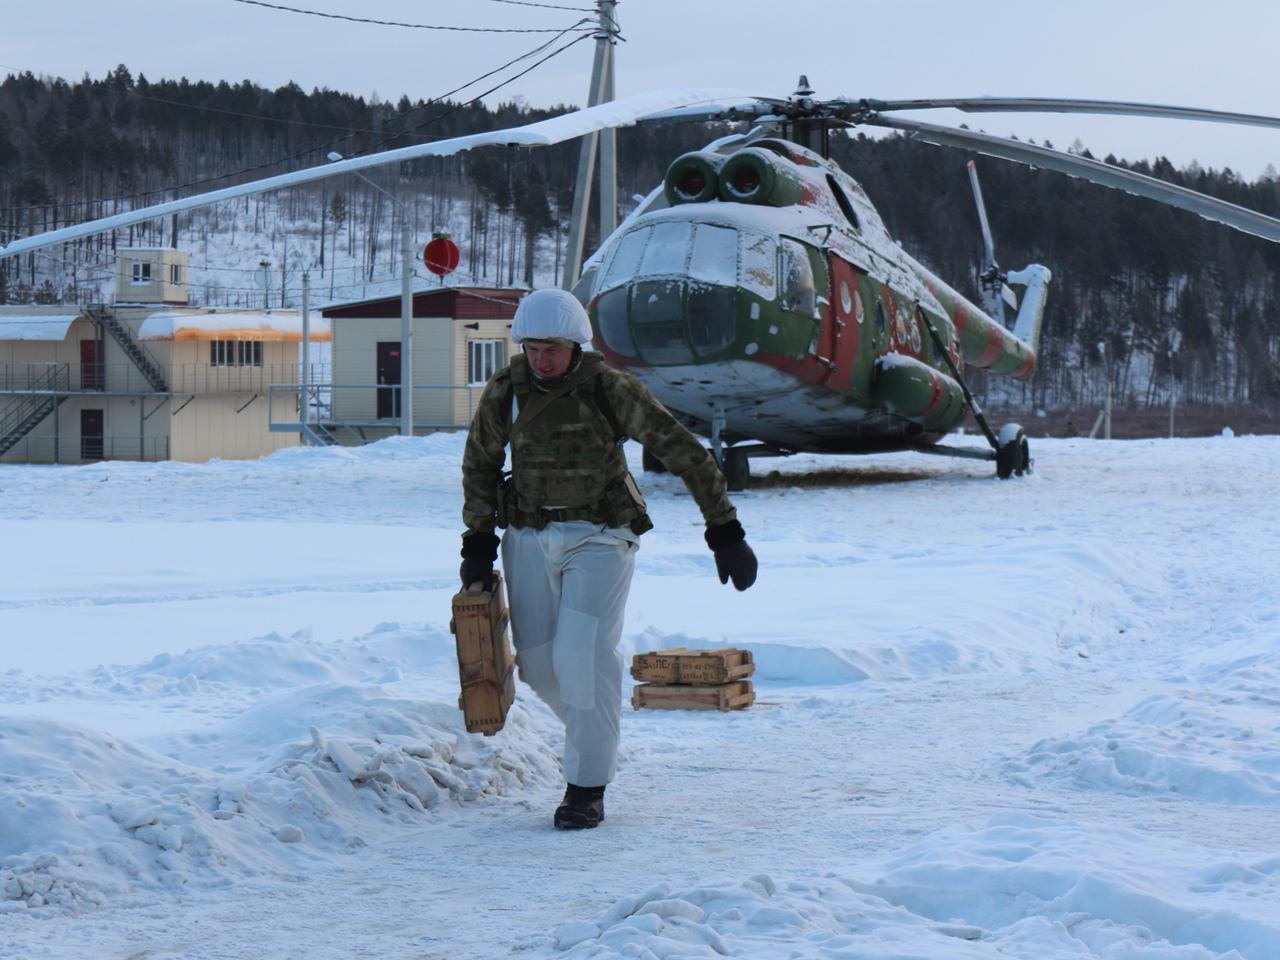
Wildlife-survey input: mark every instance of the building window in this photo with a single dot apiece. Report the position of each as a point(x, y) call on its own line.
point(484, 359)
point(235, 353)
point(175, 274)
point(141, 272)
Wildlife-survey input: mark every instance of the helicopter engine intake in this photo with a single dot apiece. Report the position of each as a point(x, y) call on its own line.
point(693, 178)
point(756, 175)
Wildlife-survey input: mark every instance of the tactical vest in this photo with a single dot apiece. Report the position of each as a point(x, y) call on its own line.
point(567, 461)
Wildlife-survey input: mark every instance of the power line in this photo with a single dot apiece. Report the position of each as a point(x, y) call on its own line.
point(394, 23)
point(545, 6)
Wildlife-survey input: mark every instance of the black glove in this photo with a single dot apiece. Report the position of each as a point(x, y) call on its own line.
point(479, 551)
point(733, 557)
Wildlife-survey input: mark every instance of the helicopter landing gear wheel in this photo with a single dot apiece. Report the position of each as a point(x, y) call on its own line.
point(1013, 453)
point(736, 468)
point(651, 464)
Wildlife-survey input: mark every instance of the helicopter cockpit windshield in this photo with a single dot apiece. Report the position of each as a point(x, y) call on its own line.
point(668, 293)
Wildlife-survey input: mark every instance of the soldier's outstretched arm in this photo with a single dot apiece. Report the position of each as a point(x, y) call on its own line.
point(648, 422)
point(644, 419)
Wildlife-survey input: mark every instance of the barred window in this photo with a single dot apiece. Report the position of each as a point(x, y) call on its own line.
point(484, 359)
point(235, 353)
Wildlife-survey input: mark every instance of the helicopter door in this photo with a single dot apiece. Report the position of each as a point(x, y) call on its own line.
point(848, 322)
point(806, 289)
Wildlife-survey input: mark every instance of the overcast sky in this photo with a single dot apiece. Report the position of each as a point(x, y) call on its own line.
point(1219, 56)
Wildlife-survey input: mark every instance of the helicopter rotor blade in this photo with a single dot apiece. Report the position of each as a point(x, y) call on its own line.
point(622, 112)
point(988, 245)
point(1239, 218)
point(749, 109)
point(1053, 105)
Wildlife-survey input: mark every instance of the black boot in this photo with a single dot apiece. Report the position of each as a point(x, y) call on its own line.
point(581, 809)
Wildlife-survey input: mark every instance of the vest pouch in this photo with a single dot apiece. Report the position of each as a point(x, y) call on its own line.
point(626, 506)
point(506, 502)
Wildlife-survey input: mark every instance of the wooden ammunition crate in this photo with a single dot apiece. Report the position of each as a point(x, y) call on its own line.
point(684, 666)
point(486, 666)
point(736, 695)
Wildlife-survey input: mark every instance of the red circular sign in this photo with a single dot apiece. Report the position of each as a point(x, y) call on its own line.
point(441, 256)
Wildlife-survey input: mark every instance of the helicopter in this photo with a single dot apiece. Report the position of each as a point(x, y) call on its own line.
point(759, 296)
point(757, 292)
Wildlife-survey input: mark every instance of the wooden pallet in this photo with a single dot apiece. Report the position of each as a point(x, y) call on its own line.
point(681, 665)
point(736, 695)
point(486, 666)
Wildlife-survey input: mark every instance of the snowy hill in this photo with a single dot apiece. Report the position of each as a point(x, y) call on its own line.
point(1032, 719)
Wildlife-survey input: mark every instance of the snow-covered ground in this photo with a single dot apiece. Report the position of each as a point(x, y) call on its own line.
point(1034, 719)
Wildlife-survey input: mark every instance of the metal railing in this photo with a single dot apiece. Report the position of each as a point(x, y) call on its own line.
point(90, 449)
point(125, 378)
point(142, 359)
point(362, 412)
point(26, 412)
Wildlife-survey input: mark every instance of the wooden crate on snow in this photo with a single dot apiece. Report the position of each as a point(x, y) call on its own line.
point(486, 665)
point(735, 695)
point(681, 665)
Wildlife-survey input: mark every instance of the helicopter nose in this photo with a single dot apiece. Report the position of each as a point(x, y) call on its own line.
point(668, 321)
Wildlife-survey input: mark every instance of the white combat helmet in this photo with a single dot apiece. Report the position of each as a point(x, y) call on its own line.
point(551, 314)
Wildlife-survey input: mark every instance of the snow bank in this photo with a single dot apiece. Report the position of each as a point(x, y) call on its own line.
point(326, 744)
point(1020, 887)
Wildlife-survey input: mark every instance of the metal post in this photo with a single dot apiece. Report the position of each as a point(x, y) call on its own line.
point(1106, 423)
point(587, 153)
point(609, 136)
point(305, 379)
point(406, 325)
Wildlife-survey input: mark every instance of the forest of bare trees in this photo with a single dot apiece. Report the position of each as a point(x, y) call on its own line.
point(1127, 271)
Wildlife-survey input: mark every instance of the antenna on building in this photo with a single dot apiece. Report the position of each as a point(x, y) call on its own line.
point(601, 91)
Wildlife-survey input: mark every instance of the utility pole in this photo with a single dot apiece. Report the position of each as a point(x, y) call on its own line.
point(600, 91)
point(406, 303)
point(406, 324)
point(305, 379)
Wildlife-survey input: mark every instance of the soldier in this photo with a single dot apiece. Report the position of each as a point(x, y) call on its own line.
point(573, 517)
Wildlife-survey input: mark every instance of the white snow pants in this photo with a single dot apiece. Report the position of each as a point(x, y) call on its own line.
point(567, 589)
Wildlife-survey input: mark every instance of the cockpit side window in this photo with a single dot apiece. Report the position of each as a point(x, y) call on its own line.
point(796, 275)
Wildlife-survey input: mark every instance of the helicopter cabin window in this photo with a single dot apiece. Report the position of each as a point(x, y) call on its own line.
point(842, 201)
point(657, 321)
point(757, 265)
point(626, 258)
point(879, 321)
point(667, 251)
point(715, 255)
point(611, 314)
point(796, 274)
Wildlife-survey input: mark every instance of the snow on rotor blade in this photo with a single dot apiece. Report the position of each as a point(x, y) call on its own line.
point(615, 113)
point(1052, 105)
point(725, 110)
point(1240, 218)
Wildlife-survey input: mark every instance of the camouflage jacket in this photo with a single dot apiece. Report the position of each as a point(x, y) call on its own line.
point(567, 455)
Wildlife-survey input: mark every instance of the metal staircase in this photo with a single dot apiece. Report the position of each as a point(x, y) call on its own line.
point(27, 413)
point(120, 333)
